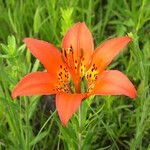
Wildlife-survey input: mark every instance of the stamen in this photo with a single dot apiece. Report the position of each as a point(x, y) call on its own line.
point(67, 56)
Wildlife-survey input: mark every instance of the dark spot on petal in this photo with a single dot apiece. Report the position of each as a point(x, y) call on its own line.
point(65, 53)
point(81, 50)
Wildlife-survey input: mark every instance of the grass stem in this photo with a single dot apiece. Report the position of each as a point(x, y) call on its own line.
point(80, 128)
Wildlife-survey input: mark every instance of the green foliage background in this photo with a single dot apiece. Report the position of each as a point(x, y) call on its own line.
point(109, 122)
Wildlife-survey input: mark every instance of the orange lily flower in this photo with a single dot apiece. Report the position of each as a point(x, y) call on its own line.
point(66, 69)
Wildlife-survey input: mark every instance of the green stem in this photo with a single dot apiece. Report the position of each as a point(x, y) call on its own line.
point(80, 128)
point(140, 15)
point(46, 122)
point(27, 146)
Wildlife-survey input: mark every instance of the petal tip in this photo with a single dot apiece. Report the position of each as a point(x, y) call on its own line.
point(27, 39)
point(134, 94)
point(64, 123)
point(13, 95)
point(128, 38)
point(83, 23)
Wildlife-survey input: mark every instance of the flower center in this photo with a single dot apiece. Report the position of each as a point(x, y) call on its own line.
point(67, 56)
point(77, 68)
point(76, 65)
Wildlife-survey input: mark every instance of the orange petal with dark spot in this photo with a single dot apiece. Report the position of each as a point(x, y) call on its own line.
point(113, 82)
point(80, 39)
point(106, 52)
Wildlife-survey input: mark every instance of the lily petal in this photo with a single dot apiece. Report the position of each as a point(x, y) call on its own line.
point(114, 82)
point(106, 52)
point(48, 54)
point(67, 104)
point(37, 83)
point(80, 39)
